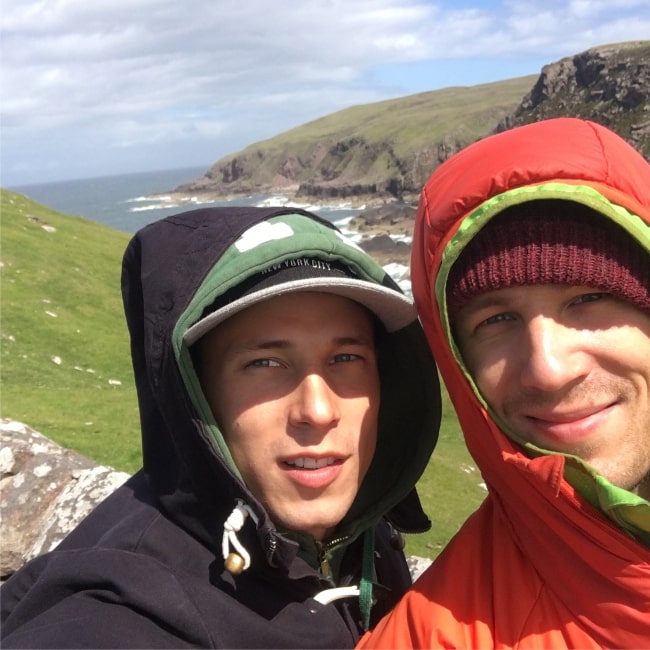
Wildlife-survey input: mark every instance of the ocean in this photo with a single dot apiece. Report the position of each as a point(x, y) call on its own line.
point(125, 202)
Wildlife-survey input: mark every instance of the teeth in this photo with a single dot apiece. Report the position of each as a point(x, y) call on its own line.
point(311, 463)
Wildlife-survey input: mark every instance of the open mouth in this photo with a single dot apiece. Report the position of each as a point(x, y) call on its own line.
point(311, 463)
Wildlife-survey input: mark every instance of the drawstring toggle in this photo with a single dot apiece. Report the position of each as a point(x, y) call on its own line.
point(238, 562)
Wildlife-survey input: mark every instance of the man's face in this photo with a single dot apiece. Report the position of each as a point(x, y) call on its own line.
point(567, 369)
point(293, 383)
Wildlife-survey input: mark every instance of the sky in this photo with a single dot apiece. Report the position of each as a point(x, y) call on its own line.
point(94, 88)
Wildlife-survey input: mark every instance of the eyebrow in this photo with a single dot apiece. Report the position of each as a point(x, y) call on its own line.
point(268, 344)
point(482, 302)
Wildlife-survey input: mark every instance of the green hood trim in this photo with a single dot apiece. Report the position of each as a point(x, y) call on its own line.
point(629, 511)
point(297, 237)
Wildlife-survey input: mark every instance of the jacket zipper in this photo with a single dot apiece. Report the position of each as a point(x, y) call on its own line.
point(323, 560)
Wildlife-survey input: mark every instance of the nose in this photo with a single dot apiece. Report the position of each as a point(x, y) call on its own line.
point(315, 403)
point(554, 356)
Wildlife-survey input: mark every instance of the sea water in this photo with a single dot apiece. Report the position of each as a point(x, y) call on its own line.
point(127, 202)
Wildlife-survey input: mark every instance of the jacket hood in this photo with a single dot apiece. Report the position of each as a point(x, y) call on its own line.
point(173, 272)
point(567, 159)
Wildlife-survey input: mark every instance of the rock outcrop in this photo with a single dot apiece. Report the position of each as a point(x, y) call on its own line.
point(45, 491)
point(386, 232)
point(609, 85)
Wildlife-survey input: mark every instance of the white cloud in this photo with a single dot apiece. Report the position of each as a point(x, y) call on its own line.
point(115, 74)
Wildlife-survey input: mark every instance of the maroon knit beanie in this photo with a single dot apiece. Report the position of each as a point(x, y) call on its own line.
point(550, 242)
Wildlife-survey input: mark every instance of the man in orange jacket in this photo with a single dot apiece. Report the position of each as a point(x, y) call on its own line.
point(531, 271)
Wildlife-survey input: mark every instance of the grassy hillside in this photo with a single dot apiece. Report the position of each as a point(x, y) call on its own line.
point(462, 112)
point(375, 151)
point(66, 367)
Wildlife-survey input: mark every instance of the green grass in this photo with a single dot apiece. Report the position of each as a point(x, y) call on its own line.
point(64, 344)
point(450, 488)
point(66, 366)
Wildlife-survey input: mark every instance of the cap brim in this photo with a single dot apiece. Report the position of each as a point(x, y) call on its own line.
point(394, 309)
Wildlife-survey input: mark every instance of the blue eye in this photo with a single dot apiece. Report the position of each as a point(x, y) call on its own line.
point(345, 357)
point(497, 318)
point(263, 363)
point(590, 297)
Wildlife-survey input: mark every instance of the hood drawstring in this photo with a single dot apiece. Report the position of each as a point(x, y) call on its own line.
point(367, 575)
point(364, 590)
point(235, 563)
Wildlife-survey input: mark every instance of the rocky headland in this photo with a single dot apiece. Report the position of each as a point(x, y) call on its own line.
point(384, 152)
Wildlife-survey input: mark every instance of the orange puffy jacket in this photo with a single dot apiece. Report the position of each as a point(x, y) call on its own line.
point(537, 566)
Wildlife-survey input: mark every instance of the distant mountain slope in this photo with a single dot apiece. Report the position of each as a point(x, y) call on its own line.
point(385, 151)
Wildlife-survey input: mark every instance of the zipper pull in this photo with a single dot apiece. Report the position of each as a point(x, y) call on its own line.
point(323, 560)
